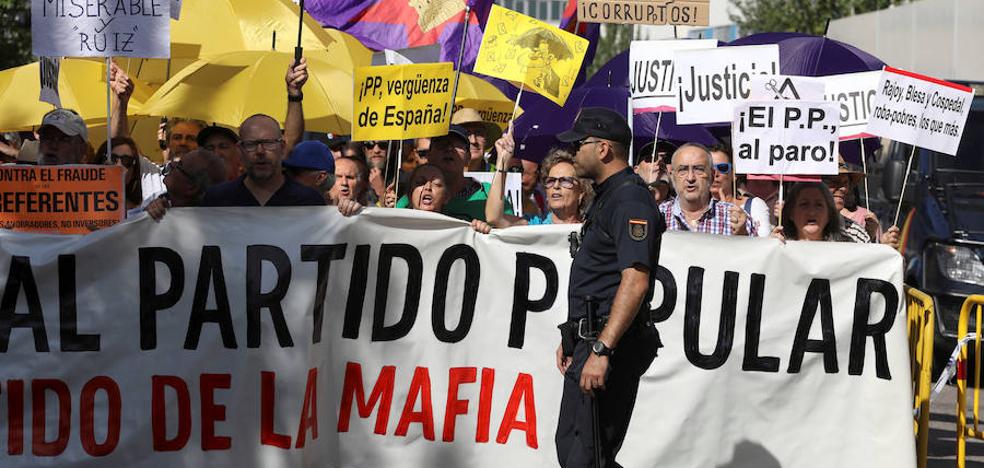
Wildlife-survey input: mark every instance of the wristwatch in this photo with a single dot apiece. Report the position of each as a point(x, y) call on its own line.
point(298, 98)
point(601, 349)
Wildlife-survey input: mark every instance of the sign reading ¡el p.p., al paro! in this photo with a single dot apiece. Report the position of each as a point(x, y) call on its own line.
point(132, 28)
point(919, 110)
point(654, 12)
point(396, 102)
point(786, 137)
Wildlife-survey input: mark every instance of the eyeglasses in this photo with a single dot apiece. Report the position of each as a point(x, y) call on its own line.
point(175, 165)
point(125, 159)
point(681, 171)
point(373, 144)
point(579, 144)
point(723, 168)
point(251, 146)
point(515, 169)
point(565, 182)
point(423, 152)
point(841, 180)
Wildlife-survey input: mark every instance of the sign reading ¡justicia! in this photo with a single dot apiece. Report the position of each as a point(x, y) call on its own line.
point(105, 28)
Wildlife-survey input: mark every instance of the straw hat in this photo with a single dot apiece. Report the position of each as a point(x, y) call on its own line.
point(851, 170)
point(467, 115)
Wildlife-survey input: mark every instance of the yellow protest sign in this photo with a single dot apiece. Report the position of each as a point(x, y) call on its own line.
point(396, 102)
point(518, 48)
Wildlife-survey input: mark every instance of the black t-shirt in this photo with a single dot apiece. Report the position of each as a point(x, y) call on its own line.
point(235, 193)
point(623, 229)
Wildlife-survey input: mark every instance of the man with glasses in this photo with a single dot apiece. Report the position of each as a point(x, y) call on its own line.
point(186, 180)
point(263, 184)
point(694, 209)
point(609, 339)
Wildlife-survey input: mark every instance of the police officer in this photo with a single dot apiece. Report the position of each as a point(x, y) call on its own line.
point(612, 273)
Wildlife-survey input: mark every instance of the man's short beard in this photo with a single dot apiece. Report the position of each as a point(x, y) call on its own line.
point(255, 178)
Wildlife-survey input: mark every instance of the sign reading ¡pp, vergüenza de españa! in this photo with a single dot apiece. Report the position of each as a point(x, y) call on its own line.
point(73, 199)
point(688, 12)
point(524, 50)
point(132, 28)
point(395, 102)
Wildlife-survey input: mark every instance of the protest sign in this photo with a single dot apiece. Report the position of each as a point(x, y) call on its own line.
point(401, 338)
point(49, 69)
point(921, 111)
point(524, 50)
point(72, 199)
point(854, 93)
point(802, 88)
point(711, 81)
point(396, 102)
point(785, 137)
point(61, 28)
point(514, 187)
point(654, 12)
point(651, 73)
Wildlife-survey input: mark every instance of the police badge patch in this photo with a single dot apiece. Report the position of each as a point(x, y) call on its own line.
point(638, 229)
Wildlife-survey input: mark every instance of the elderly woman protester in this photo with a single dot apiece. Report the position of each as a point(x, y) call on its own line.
point(428, 191)
point(843, 187)
point(566, 193)
point(809, 214)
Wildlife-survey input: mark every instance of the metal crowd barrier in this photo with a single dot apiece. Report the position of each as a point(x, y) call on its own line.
point(975, 302)
point(921, 329)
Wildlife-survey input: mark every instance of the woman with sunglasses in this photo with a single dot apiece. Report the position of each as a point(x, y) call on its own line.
point(566, 193)
point(143, 182)
point(722, 188)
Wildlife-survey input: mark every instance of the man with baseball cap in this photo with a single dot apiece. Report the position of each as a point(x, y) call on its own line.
point(63, 138)
point(312, 164)
point(609, 339)
point(223, 142)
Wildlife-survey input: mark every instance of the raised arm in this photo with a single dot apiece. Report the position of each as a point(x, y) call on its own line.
point(297, 75)
point(495, 205)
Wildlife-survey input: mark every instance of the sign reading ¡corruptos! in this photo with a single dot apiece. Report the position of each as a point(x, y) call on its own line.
point(919, 110)
point(654, 12)
point(76, 28)
point(403, 338)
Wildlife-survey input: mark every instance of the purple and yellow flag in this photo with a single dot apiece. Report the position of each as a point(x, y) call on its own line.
point(400, 24)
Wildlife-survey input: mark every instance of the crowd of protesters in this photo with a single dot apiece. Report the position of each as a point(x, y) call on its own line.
point(695, 187)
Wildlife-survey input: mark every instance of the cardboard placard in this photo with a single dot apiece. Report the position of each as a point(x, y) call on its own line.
point(518, 48)
point(396, 102)
point(854, 93)
point(919, 110)
point(137, 28)
point(49, 68)
point(799, 88)
point(710, 82)
point(74, 199)
point(785, 137)
point(652, 79)
point(654, 12)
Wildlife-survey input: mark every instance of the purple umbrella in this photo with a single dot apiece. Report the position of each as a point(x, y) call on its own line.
point(808, 55)
point(537, 128)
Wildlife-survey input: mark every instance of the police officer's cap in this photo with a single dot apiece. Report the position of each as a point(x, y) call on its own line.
point(598, 122)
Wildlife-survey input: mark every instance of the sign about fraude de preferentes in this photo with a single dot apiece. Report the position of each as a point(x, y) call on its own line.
point(403, 338)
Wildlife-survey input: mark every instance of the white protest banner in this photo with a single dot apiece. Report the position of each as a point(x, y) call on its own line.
point(854, 93)
point(61, 28)
point(49, 69)
point(302, 338)
point(651, 77)
point(921, 111)
point(514, 187)
point(803, 88)
point(175, 9)
point(785, 137)
point(711, 81)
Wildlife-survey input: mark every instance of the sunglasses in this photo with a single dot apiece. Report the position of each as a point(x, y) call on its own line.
point(124, 159)
point(723, 168)
point(515, 169)
point(579, 144)
point(565, 182)
point(175, 166)
point(423, 152)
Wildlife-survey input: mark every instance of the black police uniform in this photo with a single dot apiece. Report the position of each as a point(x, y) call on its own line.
point(623, 229)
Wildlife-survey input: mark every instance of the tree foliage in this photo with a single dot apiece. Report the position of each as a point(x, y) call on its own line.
point(613, 40)
point(805, 16)
point(15, 33)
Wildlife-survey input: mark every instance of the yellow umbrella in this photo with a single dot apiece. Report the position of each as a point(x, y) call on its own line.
point(81, 87)
point(226, 89)
point(212, 27)
point(482, 96)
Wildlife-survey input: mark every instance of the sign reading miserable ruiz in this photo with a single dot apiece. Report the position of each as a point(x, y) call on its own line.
point(687, 12)
point(103, 28)
point(402, 338)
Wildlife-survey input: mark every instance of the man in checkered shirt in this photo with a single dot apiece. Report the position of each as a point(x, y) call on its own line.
point(694, 209)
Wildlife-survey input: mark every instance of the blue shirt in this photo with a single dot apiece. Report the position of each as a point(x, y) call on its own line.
point(235, 193)
point(536, 220)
